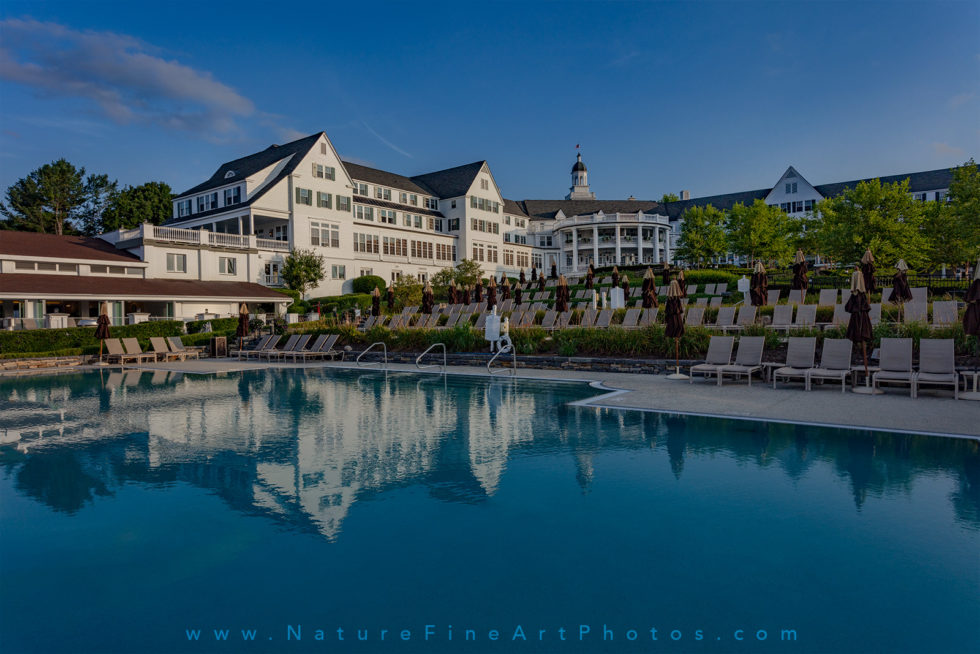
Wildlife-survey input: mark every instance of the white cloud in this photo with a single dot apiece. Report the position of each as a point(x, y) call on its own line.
point(960, 99)
point(945, 149)
point(125, 78)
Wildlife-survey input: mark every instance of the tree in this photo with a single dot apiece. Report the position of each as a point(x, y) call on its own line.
point(702, 235)
point(100, 193)
point(759, 231)
point(303, 269)
point(24, 208)
point(63, 190)
point(147, 203)
point(465, 273)
point(408, 291)
point(881, 217)
point(669, 197)
point(56, 198)
point(964, 205)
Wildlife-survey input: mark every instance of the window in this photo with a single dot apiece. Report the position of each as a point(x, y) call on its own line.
point(360, 189)
point(325, 234)
point(338, 272)
point(785, 206)
point(454, 224)
point(365, 243)
point(395, 246)
point(432, 203)
point(407, 219)
point(227, 265)
point(330, 172)
point(207, 202)
point(791, 187)
point(418, 221)
point(506, 220)
point(183, 208)
point(324, 172)
point(484, 205)
point(388, 216)
point(454, 204)
point(413, 200)
point(324, 200)
point(304, 196)
point(808, 205)
point(430, 223)
point(797, 206)
point(438, 224)
point(492, 253)
point(366, 271)
point(484, 184)
point(536, 261)
point(382, 193)
point(343, 203)
point(477, 252)
point(403, 198)
point(176, 262)
point(233, 195)
point(363, 213)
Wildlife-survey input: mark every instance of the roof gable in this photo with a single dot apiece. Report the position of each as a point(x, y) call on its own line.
point(383, 178)
point(802, 188)
point(451, 182)
point(929, 180)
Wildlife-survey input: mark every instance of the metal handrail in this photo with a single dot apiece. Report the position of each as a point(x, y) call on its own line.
point(432, 365)
point(373, 363)
point(507, 348)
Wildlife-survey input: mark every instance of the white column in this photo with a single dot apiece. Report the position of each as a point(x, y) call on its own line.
point(595, 246)
point(575, 249)
point(240, 226)
point(617, 262)
point(656, 245)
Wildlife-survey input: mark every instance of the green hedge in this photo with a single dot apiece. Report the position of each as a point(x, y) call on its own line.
point(52, 340)
point(341, 303)
point(217, 325)
point(367, 284)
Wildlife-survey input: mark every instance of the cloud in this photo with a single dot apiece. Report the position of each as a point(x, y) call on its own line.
point(944, 149)
point(386, 141)
point(126, 79)
point(960, 99)
point(626, 58)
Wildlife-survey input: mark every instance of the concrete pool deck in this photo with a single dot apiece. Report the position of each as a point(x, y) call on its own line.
point(935, 412)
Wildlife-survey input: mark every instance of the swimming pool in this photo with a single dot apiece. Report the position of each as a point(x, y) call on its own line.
point(165, 513)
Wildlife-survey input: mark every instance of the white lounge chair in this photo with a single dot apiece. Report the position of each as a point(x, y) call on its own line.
point(719, 354)
point(937, 365)
point(800, 354)
point(835, 363)
point(748, 359)
point(895, 363)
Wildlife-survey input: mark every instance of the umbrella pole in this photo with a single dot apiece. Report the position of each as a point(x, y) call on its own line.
point(867, 390)
point(677, 374)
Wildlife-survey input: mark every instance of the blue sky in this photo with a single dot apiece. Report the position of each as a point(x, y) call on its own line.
point(710, 97)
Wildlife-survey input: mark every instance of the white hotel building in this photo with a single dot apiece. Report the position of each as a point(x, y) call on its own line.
point(237, 227)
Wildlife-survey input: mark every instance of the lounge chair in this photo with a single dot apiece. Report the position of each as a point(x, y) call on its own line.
point(845, 295)
point(177, 345)
point(548, 322)
point(715, 302)
point(885, 292)
point(827, 297)
point(527, 320)
point(748, 359)
point(270, 352)
point(895, 363)
point(263, 346)
point(800, 355)
point(298, 348)
point(162, 352)
point(701, 301)
point(314, 349)
point(506, 305)
point(806, 316)
point(916, 312)
point(875, 313)
point(772, 297)
point(451, 321)
point(796, 296)
point(695, 317)
point(724, 319)
point(692, 289)
point(588, 318)
point(481, 321)
point(649, 316)
point(835, 363)
point(937, 365)
point(746, 317)
point(782, 317)
point(115, 352)
point(604, 319)
point(132, 347)
point(367, 324)
point(719, 354)
point(632, 318)
point(920, 294)
point(709, 289)
point(721, 289)
point(841, 317)
point(564, 318)
point(943, 313)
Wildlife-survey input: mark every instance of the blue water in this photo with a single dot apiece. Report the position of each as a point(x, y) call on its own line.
point(134, 508)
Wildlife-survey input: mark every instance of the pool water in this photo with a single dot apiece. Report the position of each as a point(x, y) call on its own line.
point(157, 512)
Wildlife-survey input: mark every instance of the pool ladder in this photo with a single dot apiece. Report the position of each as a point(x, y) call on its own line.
point(507, 348)
point(373, 363)
point(432, 365)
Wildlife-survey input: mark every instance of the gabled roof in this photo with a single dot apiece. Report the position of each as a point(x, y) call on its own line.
point(253, 163)
point(928, 180)
point(723, 202)
point(452, 182)
point(383, 178)
point(98, 286)
point(514, 208)
point(52, 246)
point(546, 209)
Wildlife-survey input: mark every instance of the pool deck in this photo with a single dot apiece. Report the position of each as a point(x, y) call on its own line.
point(935, 412)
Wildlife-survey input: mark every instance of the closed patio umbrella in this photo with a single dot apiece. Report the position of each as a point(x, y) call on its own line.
point(451, 292)
point(390, 298)
point(522, 277)
point(758, 286)
point(492, 293)
point(625, 284)
point(427, 298)
point(665, 276)
point(518, 295)
point(682, 283)
point(590, 278)
point(868, 271)
point(102, 328)
point(971, 319)
point(901, 293)
point(478, 291)
point(505, 289)
point(534, 276)
point(648, 290)
point(561, 295)
point(554, 271)
point(242, 331)
point(541, 281)
point(859, 325)
point(674, 325)
point(375, 302)
point(615, 276)
point(800, 270)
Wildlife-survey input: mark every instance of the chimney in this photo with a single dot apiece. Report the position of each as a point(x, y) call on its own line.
point(685, 195)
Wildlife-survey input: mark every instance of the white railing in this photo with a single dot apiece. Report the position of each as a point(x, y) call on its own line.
point(228, 240)
point(611, 218)
point(272, 244)
point(176, 234)
point(273, 280)
point(126, 234)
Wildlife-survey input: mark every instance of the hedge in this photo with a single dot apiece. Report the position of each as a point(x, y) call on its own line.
point(217, 325)
point(368, 283)
point(51, 340)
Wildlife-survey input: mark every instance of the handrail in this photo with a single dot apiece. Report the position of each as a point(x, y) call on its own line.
point(432, 365)
point(503, 350)
point(373, 363)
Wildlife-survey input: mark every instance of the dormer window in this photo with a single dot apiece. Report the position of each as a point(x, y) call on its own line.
point(229, 174)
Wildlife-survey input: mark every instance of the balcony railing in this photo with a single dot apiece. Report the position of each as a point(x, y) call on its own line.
point(273, 280)
point(272, 244)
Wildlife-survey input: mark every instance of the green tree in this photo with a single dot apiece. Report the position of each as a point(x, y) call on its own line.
point(147, 203)
point(63, 190)
point(758, 231)
point(408, 291)
point(702, 235)
point(100, 193)
point(881, 217)
point(24, 206)
point(964, 206)
point(669, 197)
point(465, 273)
point(805, 229)
point(302, 270)
point(56, 198)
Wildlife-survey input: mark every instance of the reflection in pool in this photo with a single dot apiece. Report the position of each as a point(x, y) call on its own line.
point(136, 506)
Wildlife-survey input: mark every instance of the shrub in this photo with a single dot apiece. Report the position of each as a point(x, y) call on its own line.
point(710, 277)
point(54, 340)
point(367, 284)
point(217, 325)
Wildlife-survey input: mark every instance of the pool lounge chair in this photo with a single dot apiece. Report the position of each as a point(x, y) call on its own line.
point(115, 352)
point(631, 319)
point(943, 313)
point(604, 319)
point(845, 295)
point(840, 319)
point(800, 354)
point(709, 289)
point(772, 297)
point(937, 365)
point(588, 318)
point(481, 321)
point(132, 347)
point(827, 297)
point(695, 317)
point(895, 363)
point(692, 289)
point(271, 352)
point(796, 296)
point(916, 312)
point(719, 354)
point(835, 363)
point(548, 322)
point(724, 319)
point(782, 317)
point(268, 344)
point(701, 301)
point(162, 352)
point(177, 345)
point(920, 294)
point(649, 316)
point(746, 317)
point(748, 359)
point(564, 318)
point(721, 289)
point(806, 316)
point(298, 348)
point(715, 302)
point(875, 313)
